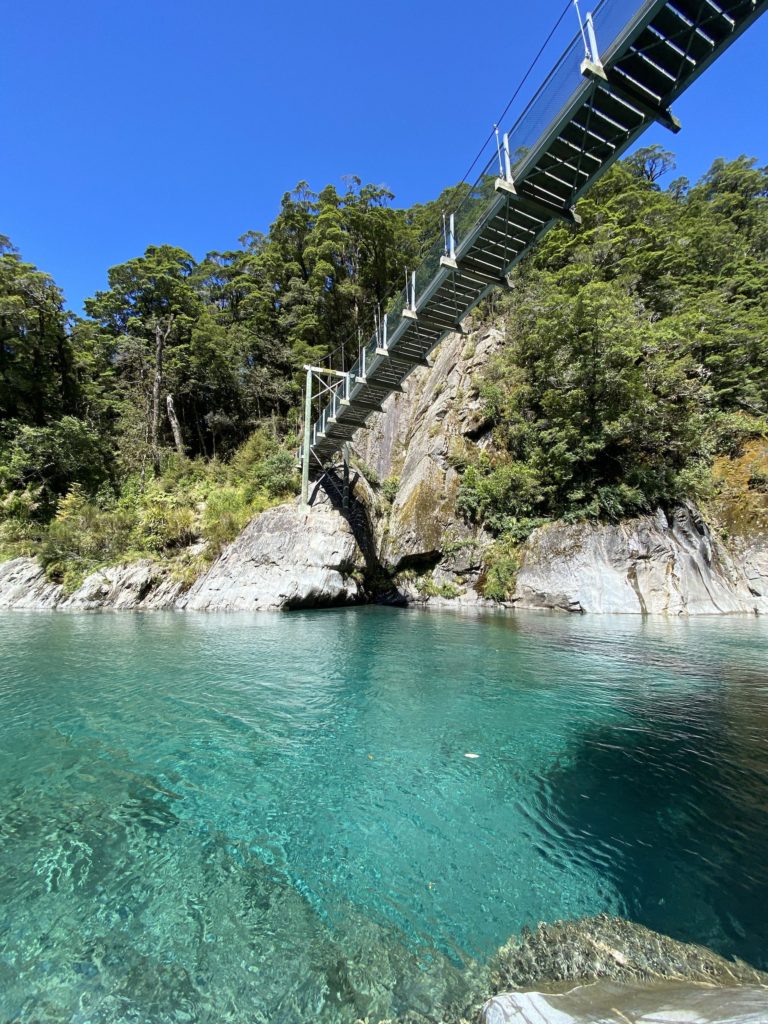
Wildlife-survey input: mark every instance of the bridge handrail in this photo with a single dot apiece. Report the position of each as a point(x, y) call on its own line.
point(553, 96)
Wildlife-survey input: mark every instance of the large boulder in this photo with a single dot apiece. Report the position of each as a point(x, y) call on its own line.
point(288, 557)
point(651, 564)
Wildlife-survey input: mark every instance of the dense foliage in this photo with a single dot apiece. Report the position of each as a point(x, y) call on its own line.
point(637, 353)
point(169, 412)
point(637, 349)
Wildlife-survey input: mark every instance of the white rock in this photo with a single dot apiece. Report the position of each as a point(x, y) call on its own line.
point(287, 557)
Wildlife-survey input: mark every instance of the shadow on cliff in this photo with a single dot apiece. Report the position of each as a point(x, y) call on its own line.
point(379, 584)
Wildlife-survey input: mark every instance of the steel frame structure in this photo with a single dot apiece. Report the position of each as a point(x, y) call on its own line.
point(616, 94)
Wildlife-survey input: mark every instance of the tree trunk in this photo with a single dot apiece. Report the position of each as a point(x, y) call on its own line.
point(162, 331)
point(178, 437)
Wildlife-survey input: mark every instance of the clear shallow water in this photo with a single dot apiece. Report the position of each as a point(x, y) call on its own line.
point(271, 818)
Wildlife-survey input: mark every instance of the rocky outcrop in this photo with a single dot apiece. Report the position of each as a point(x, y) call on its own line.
point(288, 557)
point(404, 539)
point(648, 565)
point(608, 969)
point(659, 564)
point(24, 585)
point(137, 586)
point(416, 446)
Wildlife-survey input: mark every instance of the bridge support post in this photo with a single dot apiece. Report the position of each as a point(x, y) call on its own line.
point(305, 452)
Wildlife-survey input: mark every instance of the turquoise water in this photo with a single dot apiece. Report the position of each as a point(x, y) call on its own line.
point(272, 819)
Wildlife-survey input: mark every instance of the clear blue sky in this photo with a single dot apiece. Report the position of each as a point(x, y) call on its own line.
point(130, 124)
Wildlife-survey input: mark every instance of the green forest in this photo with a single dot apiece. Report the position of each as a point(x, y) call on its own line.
point(636, 356)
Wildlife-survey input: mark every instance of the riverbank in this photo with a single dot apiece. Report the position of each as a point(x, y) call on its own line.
point(328, 556)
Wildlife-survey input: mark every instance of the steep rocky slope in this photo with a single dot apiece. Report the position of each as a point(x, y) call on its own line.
point(669, 564)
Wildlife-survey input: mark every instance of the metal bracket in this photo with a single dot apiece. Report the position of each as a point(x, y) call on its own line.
point(616, 84)
point(536, 206)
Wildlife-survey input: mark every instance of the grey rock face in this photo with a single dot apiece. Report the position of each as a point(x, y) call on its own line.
point(418, 440)
point(138, 586)
point(646, 565)
point(24, 585)
point(285, 558)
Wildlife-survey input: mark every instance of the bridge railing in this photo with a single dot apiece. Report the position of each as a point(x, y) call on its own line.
point(554, 95)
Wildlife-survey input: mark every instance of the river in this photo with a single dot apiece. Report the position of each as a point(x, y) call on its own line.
point(318, 816)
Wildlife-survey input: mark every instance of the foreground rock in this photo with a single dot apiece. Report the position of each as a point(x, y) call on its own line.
point(651, 564)
point(611, 947)
point(610, 1003)
point(622, 972)
point(288, 557)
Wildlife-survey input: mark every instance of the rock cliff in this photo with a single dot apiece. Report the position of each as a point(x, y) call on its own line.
point(414, 447)
point(658, 564)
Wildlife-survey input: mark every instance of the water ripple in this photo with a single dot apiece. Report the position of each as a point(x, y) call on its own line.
point(274, 818)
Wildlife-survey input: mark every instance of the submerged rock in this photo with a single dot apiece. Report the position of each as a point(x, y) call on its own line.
point(611, 947)
point(611, 1003)
point(611, 970)
point(288, 557)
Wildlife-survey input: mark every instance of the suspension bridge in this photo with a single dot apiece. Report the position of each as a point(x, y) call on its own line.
point(622, 72)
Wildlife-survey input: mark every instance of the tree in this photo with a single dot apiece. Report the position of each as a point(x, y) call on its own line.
point(150, 310)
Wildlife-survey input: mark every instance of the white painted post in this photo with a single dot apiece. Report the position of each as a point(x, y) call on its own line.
point(452, 237)
point(307, 435)
point(507, 159)
point(592, 39)
point(385, 337)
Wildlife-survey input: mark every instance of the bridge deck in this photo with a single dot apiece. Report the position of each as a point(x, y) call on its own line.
point(650, 61)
